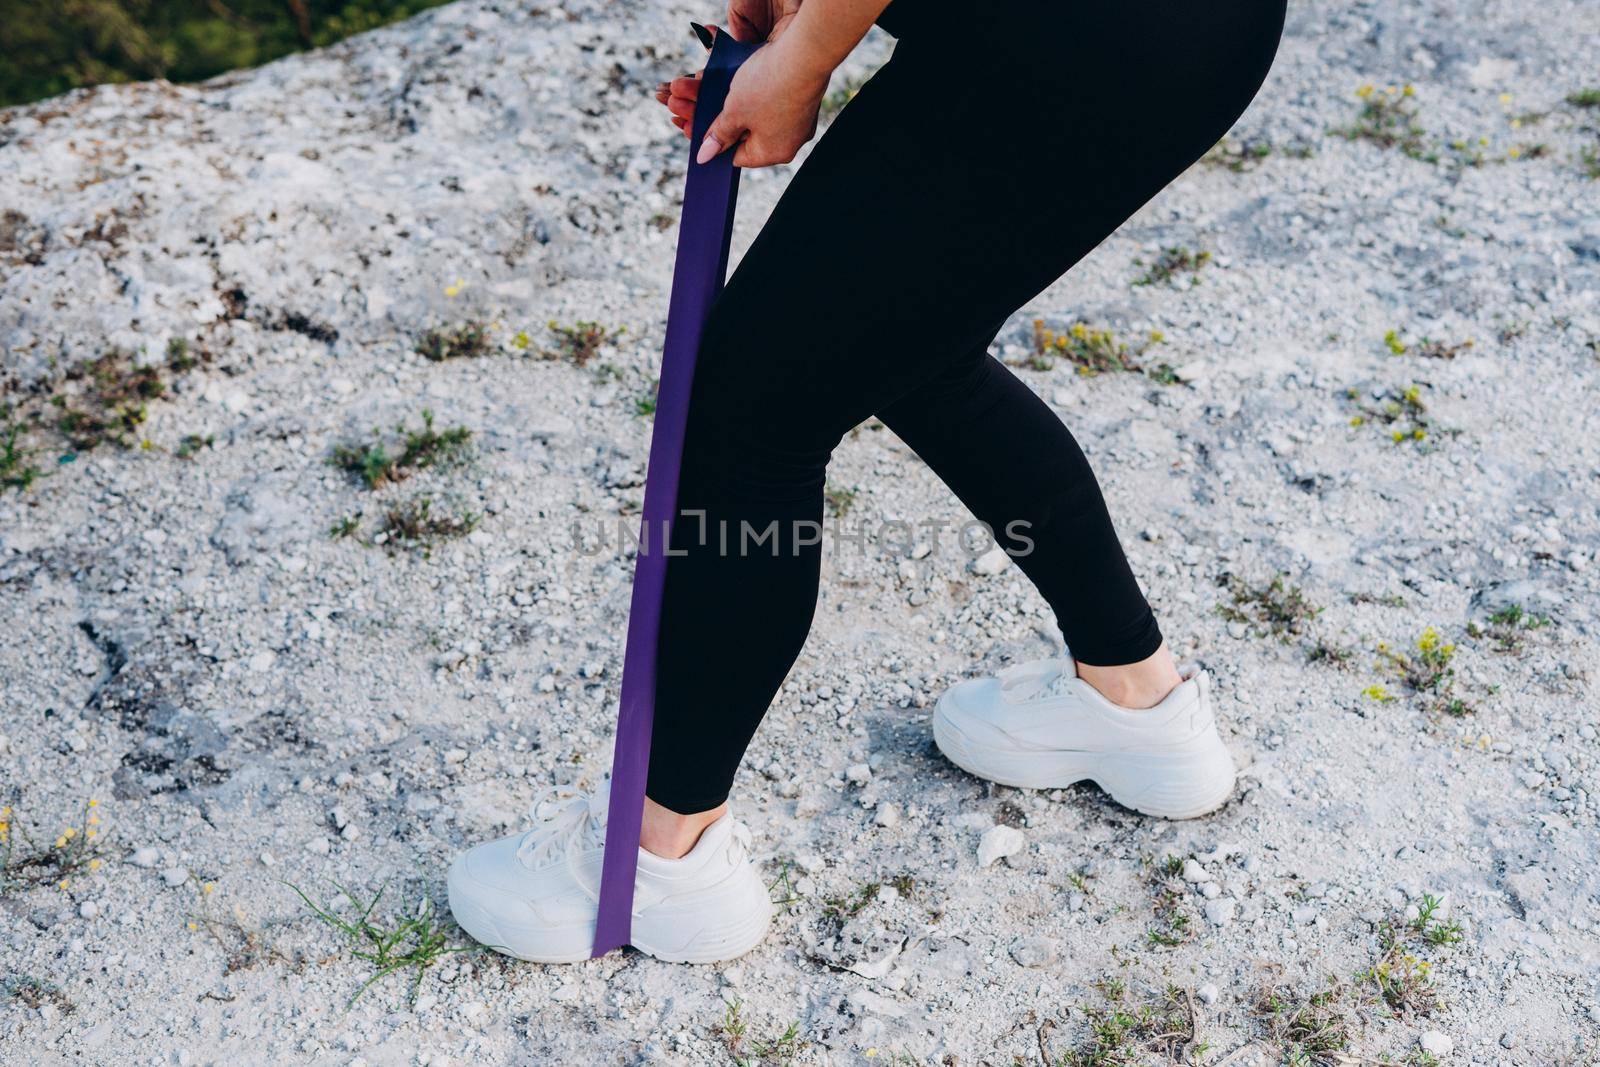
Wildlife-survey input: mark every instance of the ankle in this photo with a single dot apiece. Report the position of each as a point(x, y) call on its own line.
point(673, 835)
point(1135, 685)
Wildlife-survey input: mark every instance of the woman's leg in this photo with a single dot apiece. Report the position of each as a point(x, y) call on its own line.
point(918, 225)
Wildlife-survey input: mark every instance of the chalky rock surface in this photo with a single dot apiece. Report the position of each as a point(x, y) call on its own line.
point(256, 703)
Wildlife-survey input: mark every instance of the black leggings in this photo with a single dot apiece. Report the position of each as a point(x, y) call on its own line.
point(1002, 142)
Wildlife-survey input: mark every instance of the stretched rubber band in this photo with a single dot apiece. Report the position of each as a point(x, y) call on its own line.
point(710, 191)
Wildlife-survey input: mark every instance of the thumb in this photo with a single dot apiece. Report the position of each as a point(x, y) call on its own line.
point(724, 133)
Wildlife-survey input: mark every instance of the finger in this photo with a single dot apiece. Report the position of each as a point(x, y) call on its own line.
point(688, 85)
point(681, 106)
point(742, 26)
point(724, 133)
point(682, 124)
point(749, 155)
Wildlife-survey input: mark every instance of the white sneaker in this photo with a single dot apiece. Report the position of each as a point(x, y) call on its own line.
point(534, 895)
point(1039, 726)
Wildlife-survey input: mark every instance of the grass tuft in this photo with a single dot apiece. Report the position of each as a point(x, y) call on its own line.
point(581, 341)
point(1423, 670)
point(375, 466)
point(470, 340)
point(1093, 351)
point(779, 1050)
point(1126, 1031)
point(1509, 627)
point(74, 851)
point(1171, 263)
point(1282, 608)
point(1313, 1031)
point(1174, 925)
point(411, 943)
point(1402, 412)
point(1388, 119)
point(413, 523)
point(16, 472)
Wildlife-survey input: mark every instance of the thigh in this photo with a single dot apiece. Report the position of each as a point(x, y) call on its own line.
point(956, 186)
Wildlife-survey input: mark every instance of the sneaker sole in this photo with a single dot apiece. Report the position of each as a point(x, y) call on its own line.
point(572, 944)
point(1182, 781)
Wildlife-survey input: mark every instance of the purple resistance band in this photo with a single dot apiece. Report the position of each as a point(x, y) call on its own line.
point(703, 233)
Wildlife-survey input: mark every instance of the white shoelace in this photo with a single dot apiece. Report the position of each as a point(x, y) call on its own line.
point(579, 825)
point(1037, 679)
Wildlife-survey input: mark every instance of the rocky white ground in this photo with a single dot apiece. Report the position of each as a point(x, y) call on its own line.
point(253, 701)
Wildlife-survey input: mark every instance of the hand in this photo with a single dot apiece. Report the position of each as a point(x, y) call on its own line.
point(752, 20)
point(771, 110)
point(773, 99)
point(760, 20)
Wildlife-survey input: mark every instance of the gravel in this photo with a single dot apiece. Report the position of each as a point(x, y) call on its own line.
point(189, 644)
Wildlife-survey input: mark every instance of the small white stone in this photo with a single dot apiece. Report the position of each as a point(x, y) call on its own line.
point(1220, 912)
point(88, 909)
point(888, 816)
point(999, 841)
point(1194, 873)
point(268, 859)
point(1435, 1043)
point(1207, 994)
point(174, 876)
point(262, 661)
point(859, 773)
point(991, 562)
point(318, 846)
point(145, 857)
point(1034, 952)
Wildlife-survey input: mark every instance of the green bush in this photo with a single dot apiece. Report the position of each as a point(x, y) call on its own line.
point(49, 48)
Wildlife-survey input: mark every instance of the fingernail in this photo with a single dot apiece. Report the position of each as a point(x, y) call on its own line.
point(708, 149)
